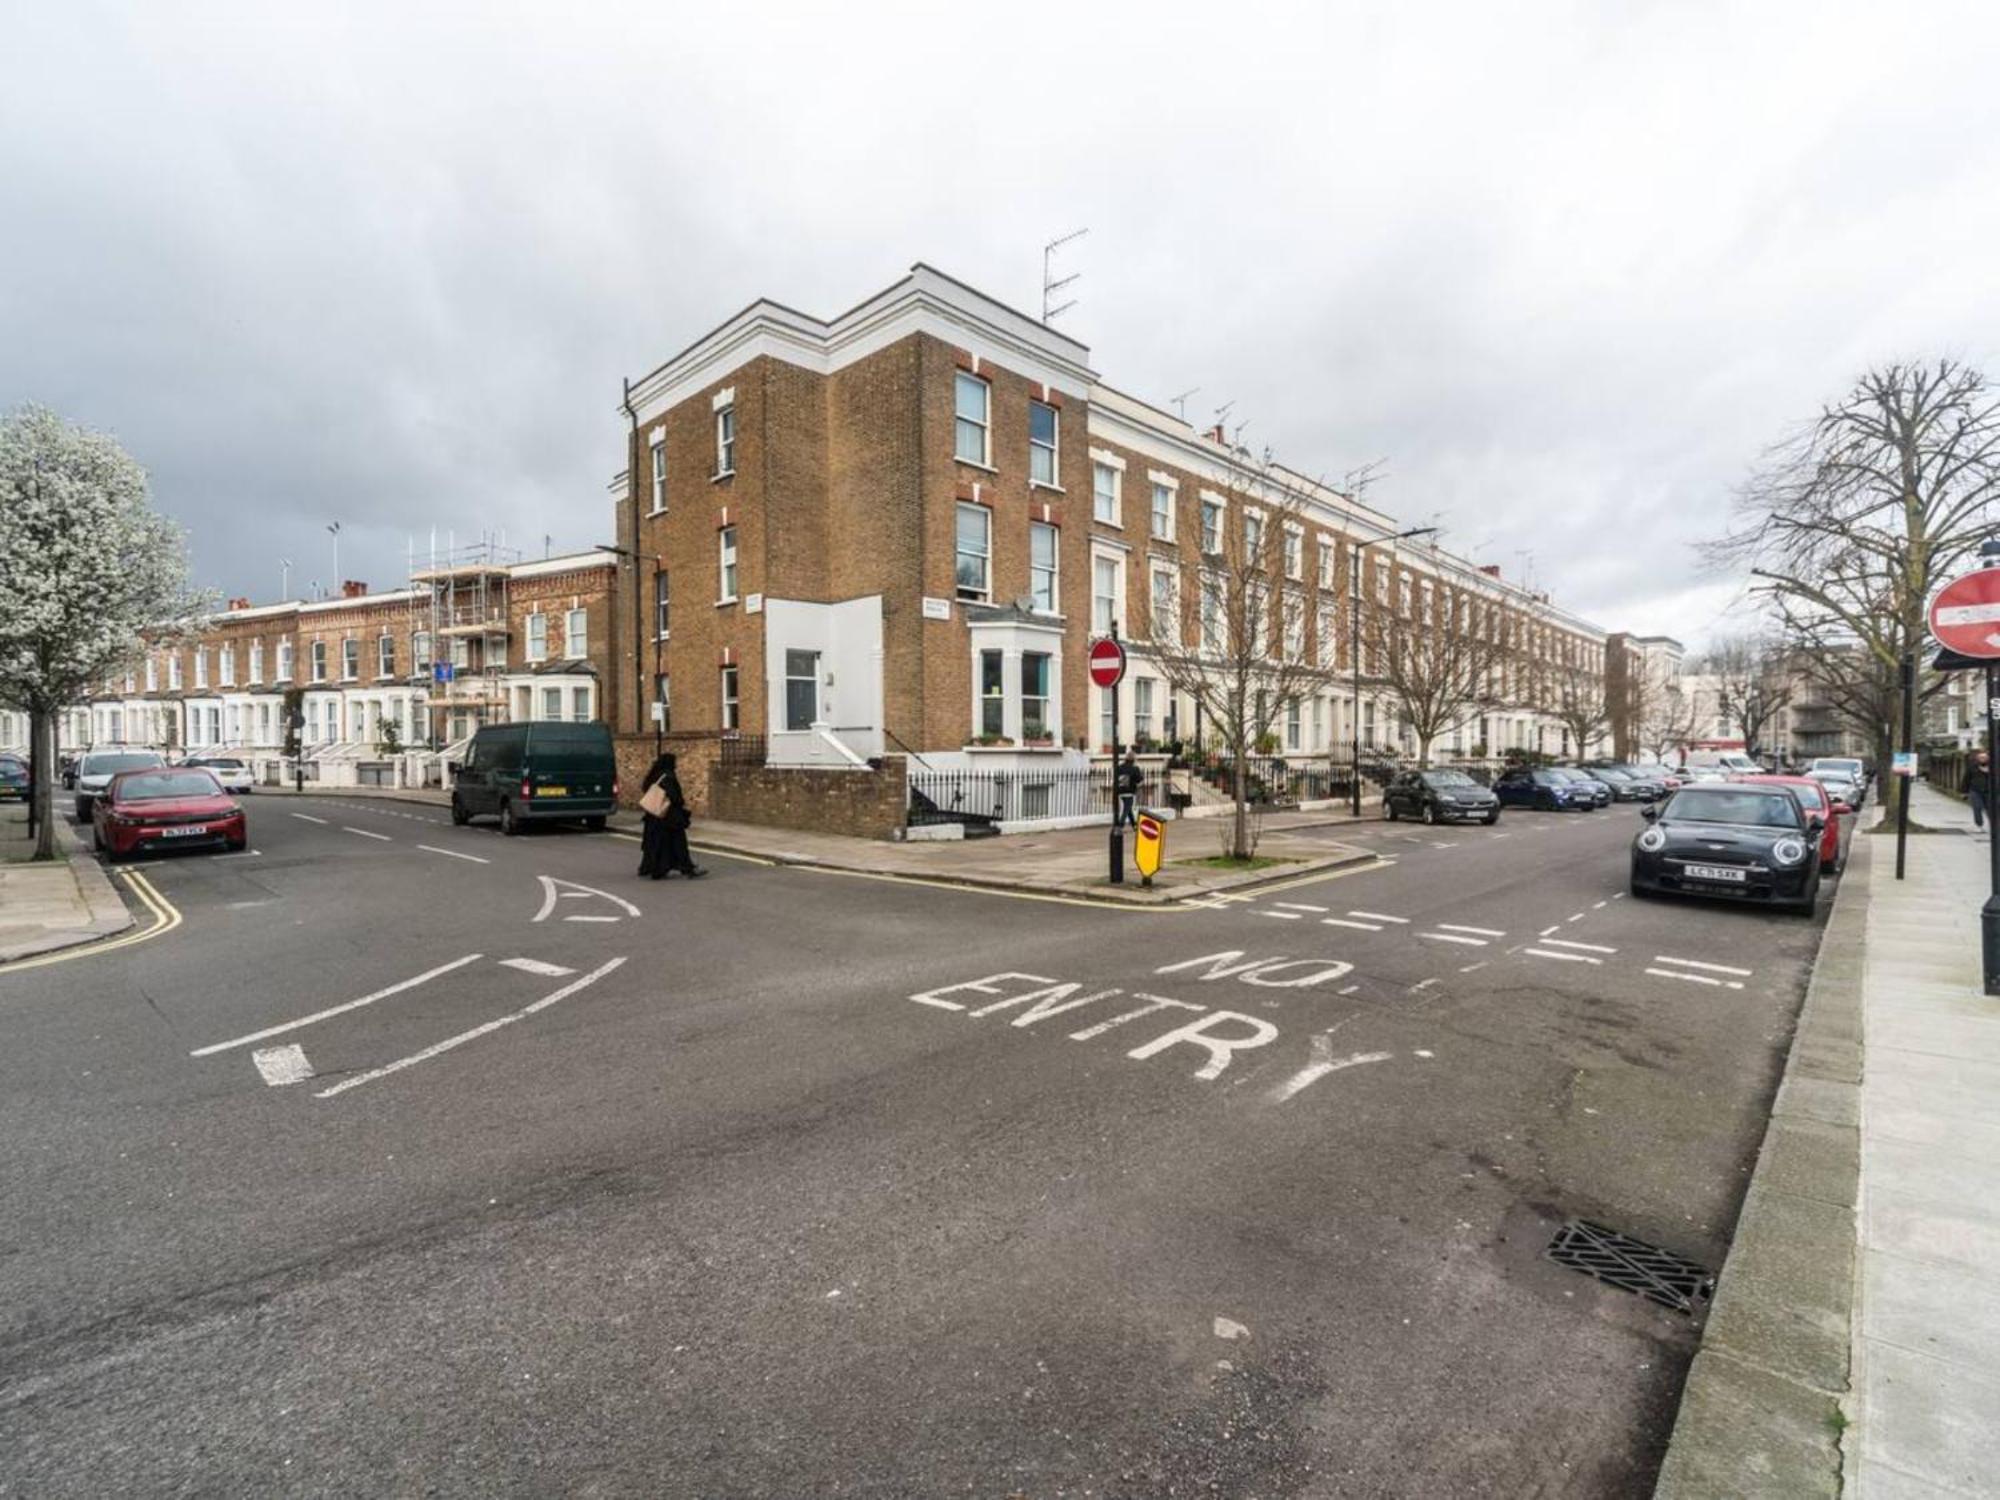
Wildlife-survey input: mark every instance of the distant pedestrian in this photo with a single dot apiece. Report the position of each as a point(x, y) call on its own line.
point(663, 846)
point(1126, 784)
point(1975, 788)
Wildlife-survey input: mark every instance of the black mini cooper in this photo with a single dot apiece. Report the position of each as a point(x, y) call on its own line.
point(1439, 797)
point(1742, 842)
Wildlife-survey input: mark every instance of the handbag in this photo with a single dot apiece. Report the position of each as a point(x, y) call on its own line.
point(654, 803)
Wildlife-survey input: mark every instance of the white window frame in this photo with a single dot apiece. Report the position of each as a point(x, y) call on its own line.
point(1053, 605)
point(985, 591)
point(658, 450)
point(257, 661)
point(152, 675)
point(385, 655)
point(225, 666)
point(729, 698)
point(1163, 485)
point(726, 580)
point(201, 666)
point(576, 635)
point(1327, 559)
point(1100, 556)
point(536, 632)
point(350, 658)
point(725, 440)
point(1172, 575)
point(1053, 447)
point(285, 663)
point(420, 651)
point(964, 381)
point(1213, 508)
point(1295, 552)
point(1102, 463)
point(663, 605)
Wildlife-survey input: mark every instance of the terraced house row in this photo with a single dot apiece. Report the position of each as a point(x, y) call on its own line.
point(896, 530)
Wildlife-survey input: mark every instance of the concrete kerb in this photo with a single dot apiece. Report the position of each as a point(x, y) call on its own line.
point(1761, 1411)
point(109, 915)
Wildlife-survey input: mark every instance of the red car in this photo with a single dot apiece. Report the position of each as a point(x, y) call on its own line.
point(1812, 797)
point(165, 808)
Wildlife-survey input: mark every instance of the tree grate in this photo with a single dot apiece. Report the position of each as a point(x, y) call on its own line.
point(1632, 1266)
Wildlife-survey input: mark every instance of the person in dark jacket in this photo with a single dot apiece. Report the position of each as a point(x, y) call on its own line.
point(663, 848)
point(1127, 782)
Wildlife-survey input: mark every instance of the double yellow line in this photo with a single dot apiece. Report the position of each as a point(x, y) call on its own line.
point(166, 917)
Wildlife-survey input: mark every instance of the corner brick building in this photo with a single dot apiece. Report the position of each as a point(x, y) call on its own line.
point(897, 529)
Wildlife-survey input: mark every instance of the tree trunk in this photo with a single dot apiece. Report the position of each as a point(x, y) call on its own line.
point(1423, 751)
point(41, 738)
point(1239, 838)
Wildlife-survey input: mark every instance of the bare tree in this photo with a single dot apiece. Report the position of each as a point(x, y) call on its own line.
point(1853, 523)
point(1439, 651)
point(1668, 720)
point(1577, 698)
point(1753, 684)
point(1236, 643)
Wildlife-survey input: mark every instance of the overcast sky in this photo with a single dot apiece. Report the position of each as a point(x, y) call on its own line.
point(1566, 269)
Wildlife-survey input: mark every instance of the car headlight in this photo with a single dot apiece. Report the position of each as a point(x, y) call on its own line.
point(1788, 851)
point(1652, 841)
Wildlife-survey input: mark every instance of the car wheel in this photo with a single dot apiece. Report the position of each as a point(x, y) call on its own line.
point(459, 816)
point(1430, 814)
point(1388, 809)
point(510, 822)
point(1491, 818)
point(82, 810)
point(1638, 891)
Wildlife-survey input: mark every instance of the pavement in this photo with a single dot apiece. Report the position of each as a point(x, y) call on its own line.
point(417, 1159)
point(53, 904)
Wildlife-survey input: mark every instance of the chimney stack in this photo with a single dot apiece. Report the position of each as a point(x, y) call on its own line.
point(353, 588)
point(1491, 570)
point(1215, 435)
point(239, 603)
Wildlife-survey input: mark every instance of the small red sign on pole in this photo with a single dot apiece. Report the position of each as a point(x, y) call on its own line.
point(1965, 614)
point(1107, 662)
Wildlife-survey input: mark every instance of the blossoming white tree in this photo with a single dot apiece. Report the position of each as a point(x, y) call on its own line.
point(86, 564)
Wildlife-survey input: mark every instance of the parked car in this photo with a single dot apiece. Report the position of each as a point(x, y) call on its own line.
point(1816, 799)
point(95, 770)
point(1627, 785)
point(1597, 793)
point(177, 806)
point(1440, 796)
point(233, 774)
point(536, 771)
point(13, 778)
point(1852, 766)
point(1737, 840)
point(1669, 779)
point(1699, 775)
point(1842, 785)
point(1521, 786)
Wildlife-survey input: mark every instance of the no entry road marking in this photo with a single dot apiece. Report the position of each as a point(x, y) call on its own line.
point(454, 854)
point(1323, 1062)
point(335, 1010)
point(554, 890)
point(439, 1048)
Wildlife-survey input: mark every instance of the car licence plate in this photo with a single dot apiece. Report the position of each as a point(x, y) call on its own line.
point(1728, 874)
point(551, 791)
point(188, 831)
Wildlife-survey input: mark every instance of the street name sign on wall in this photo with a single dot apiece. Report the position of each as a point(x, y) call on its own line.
point(1107, 662)
point(1965, 614)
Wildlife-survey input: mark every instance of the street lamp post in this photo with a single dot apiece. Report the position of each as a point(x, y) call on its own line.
point(659, 642)
point(1354, 645)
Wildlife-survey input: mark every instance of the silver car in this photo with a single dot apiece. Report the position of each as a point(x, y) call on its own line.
point(234, 775)
point(95, 770)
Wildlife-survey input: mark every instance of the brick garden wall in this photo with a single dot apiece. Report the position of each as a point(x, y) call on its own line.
point(694, 755)
point(861, 804)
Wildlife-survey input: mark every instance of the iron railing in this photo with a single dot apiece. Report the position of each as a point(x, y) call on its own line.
point(741, 749)
point(982, 798)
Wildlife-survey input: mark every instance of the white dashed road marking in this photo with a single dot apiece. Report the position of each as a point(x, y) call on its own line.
point(367, 835)
point(282, 1065)
point(334, 1010)
point(1452, 937)
point(536, 966)
point(453, 853)
point(1378, 916)
point(1586, 947)
point(1733, 984)
point(1343, 922)
point(1568, 958)
point(1695, 963)
point(1301, 906)
point(1476, 931)
point(309, 818)
point(1283, 916)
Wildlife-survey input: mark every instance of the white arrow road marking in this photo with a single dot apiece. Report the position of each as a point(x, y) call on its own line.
point(536, 966)
point(309, 818)
point(1323, 1062)
point(433, 849)
point(466, 1036)
point(553, 889)
point(321, 1015)
point(1695, 963)
point(282, 1065)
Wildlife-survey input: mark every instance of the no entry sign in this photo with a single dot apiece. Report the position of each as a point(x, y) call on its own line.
point(1965, 614)
point(1107, 662)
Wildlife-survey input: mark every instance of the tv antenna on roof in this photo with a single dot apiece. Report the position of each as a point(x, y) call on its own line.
point(1180, 401)
point(1050, 285)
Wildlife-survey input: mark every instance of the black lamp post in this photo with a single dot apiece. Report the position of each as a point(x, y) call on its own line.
point(659, 641)
point(1354, 643)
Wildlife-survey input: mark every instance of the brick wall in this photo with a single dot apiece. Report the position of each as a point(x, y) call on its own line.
point(694, 755)
point(861, 804)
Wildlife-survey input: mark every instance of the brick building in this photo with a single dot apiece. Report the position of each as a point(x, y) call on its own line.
point(897, 529)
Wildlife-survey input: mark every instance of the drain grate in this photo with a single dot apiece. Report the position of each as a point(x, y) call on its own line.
point(1632, 1265)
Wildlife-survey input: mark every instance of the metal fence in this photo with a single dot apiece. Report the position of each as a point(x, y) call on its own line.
point(741, 750)
point(985, 797)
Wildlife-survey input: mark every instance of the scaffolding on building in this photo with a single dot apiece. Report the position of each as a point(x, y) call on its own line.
point(460, 599)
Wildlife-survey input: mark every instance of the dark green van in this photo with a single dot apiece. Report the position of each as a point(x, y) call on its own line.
point(537, 771)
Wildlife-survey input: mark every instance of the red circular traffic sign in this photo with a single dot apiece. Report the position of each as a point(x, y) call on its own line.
point(1107, 662)
point(1965, 614)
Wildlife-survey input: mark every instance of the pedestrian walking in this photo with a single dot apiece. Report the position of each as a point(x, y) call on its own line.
point(663, 845)
point(1975, 788)
point(1126, 783)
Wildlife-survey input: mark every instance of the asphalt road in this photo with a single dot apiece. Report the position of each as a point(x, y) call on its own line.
point(413, 1161)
